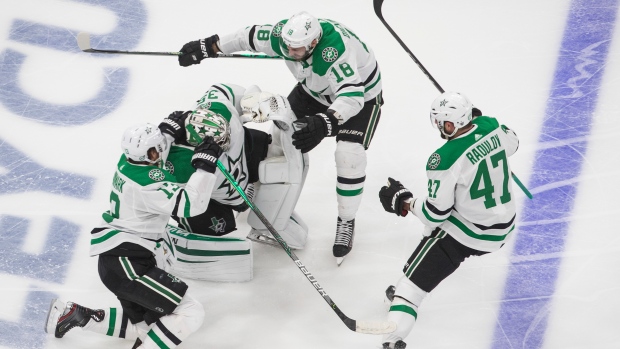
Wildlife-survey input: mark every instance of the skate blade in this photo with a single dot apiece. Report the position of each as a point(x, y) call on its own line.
point(53, 314)
point(267, 240)
point(339, 260)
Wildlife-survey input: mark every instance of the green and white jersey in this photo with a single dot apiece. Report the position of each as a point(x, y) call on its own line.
point(341, 73)
point(223, 99)
point(142, 199)
point(469, 188)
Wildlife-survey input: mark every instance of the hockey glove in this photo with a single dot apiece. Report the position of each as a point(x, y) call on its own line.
point(174, 125)
point(195, 51)
point(393, 197)
point(311, 130)
point(206, 155)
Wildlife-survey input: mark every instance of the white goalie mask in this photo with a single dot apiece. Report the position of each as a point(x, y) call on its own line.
point(138, 139)
point(453, 107)
point(300, 31)
point(202, 123)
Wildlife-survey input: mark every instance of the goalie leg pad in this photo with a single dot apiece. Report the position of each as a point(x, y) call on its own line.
point(351, 170)
point(282, 176)
point(211, 258)
point(404, 309)
point(295, 234)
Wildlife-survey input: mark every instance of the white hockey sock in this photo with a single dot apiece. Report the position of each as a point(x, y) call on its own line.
point(404, 309)
point(116, 325)
point(351, 170)
point(170, 330)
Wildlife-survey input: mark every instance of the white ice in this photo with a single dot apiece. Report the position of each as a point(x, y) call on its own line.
point(501, 54)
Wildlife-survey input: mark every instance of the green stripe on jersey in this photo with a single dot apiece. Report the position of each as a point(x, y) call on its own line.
point(471, 234)
point(222, 109)
point(103, 238)
point(428, 216)
point(211, 253)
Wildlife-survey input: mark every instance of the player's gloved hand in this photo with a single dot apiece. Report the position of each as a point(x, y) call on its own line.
point(311, 130)
point(206, 155)
point(174, 125)
point(195, 51)
point(393, 197)
point(475, 112)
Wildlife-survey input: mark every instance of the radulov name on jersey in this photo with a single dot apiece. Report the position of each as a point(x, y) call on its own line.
point(483, 149)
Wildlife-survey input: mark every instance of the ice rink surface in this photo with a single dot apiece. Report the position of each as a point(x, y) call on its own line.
point(550, 70)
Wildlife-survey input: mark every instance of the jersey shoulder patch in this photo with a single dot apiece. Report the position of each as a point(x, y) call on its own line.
point(330, 48)
point(144, 175)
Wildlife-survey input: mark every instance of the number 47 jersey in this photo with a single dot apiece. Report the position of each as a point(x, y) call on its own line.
point(469, 188)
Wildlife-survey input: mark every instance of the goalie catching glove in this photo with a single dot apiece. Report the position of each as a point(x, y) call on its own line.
point(206, 155)
point(393, 197)
point(195, 51)
point(260, 106)
point(311, 130)
point(174, 125)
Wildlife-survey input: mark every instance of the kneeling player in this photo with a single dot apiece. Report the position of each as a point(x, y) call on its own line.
point(156, 309)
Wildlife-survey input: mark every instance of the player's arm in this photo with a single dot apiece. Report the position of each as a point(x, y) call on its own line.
point(509, 139)
point(255, 38)
point(348, 87)
point(437, 206)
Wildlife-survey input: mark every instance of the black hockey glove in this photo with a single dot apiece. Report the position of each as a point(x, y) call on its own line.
point(174, 125)
point(195, 51)
point(206, 155)
point(393, 197)
point(475, 112)
point(311, 130)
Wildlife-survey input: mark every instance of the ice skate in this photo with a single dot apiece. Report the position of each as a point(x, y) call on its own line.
point(345, 232)
point(62, 318)
point(398, 345)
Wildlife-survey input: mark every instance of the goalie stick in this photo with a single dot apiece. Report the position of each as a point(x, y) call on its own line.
point(368, 327)
point(377, 5)
point(83, 40)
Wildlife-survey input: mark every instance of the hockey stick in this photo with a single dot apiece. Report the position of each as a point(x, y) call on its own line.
point(83, 40)
point(368, 327)
point(377, 5)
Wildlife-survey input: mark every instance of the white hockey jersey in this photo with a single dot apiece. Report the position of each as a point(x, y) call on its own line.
point(341, 73)
point(469, 188)
point(142, 200)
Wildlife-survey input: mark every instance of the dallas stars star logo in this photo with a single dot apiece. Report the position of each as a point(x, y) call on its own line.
point(443, 103)
point(235, 168)
point(219, 225)
point(308, 25)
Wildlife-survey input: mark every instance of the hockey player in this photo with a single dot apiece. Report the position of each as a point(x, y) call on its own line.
point(252, 156)
point(469, 210)
point(338, 94)
point(156, 308)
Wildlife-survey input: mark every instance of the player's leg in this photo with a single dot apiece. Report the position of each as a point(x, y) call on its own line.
point(353, 139)
point(435, 258)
